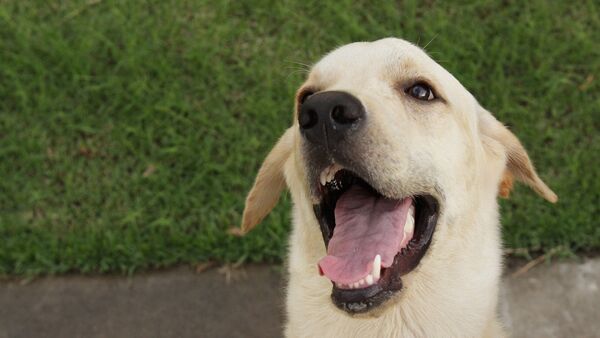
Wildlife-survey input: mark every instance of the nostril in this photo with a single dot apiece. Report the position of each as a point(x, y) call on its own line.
point(342, 115)
point(308, 119)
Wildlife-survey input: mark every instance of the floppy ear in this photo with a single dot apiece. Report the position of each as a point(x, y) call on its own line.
point(518, 164)
point(269, 183)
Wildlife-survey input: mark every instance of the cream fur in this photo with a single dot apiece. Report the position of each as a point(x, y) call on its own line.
point(455, 146)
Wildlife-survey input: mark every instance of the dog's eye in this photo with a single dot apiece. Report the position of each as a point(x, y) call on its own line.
point(421, 91)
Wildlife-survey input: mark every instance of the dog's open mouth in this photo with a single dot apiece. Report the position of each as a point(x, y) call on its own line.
point(371, 240)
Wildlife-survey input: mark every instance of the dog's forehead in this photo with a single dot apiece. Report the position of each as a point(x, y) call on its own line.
point(381, 58)
point(371, 68)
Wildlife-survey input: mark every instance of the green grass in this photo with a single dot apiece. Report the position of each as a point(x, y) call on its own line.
point(93, 95)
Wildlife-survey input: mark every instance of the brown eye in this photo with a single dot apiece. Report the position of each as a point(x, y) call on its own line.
point(421, 91)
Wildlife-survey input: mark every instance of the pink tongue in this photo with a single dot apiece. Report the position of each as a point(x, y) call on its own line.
point(366, 225)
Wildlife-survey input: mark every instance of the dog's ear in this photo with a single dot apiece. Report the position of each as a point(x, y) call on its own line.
point(269, 183)
point(518, 164)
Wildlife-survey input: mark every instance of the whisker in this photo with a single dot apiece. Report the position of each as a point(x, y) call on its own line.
point(430, 41)
point(297, 71)
point(304, 65)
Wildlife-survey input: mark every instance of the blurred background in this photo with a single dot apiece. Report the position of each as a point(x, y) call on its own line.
point(130, 131)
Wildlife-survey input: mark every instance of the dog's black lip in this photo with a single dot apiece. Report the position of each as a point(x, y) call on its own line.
point(355, 301)
point(362, 300)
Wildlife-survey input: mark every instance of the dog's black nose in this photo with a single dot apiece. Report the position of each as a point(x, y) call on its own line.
point(326, 118)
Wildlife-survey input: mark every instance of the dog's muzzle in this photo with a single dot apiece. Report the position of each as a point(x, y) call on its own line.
point(371, 240)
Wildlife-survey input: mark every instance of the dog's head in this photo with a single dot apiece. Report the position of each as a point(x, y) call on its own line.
point(385, 145)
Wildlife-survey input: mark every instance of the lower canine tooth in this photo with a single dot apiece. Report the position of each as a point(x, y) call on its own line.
point(369, 279)
point(409, 226)
point(376, 267)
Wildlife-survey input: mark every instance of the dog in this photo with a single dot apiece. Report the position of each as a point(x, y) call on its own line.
point(394, 169)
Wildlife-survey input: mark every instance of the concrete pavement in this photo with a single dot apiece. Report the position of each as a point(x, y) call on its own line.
point(557, 300)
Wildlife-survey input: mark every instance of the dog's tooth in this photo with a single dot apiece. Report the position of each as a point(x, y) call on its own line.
point(323, 177)
point(409, 225)
point(376, 267)
point(335, 168)
point(355, 285)
point(330, 175)
point(361, 282)
point(369, 279)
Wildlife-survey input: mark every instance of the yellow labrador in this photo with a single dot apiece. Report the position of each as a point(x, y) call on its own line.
point(394, 169)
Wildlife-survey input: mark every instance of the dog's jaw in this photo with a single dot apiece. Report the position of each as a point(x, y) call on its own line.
point(448, 293)
point(439, 298)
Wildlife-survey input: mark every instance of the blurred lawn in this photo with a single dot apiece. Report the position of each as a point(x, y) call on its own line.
point(130, 131)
